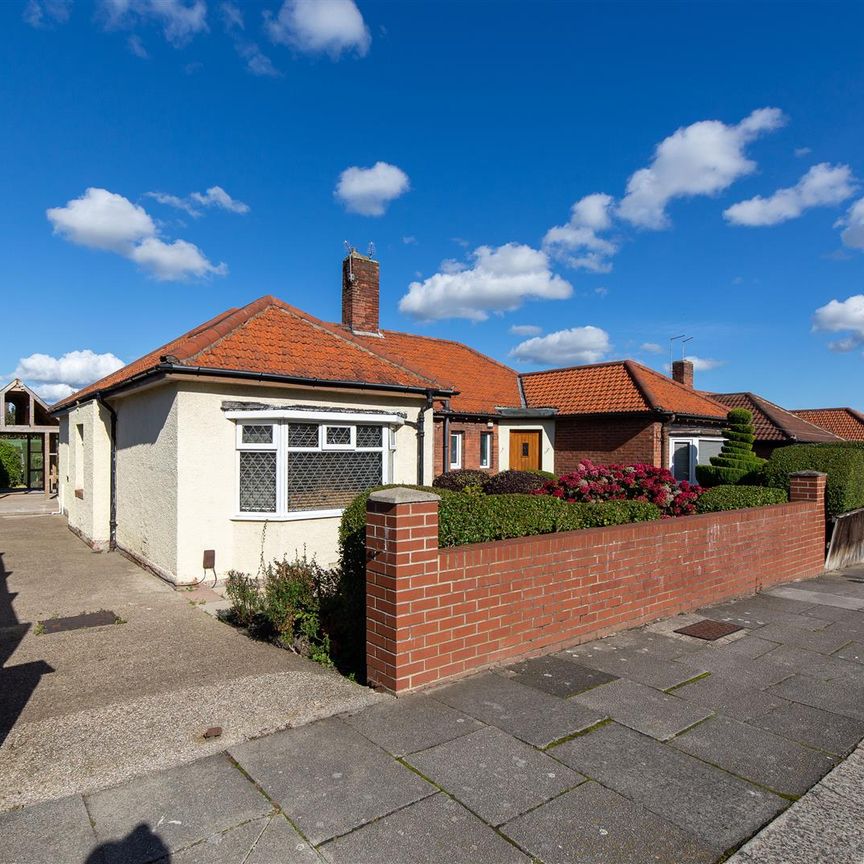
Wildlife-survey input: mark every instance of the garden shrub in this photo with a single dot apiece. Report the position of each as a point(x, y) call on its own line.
point(739, 497)
point(284, 605)
point(737, 463)
point(843, 464)
point(458, 481)
point(11, 468)
point(515, 482)
point(592, 483)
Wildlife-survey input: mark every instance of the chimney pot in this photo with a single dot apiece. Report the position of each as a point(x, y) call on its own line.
point(682, 372)
point(360, 293)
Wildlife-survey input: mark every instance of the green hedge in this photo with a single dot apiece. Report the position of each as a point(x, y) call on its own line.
point(739, 497)
point(11, 469)
point(843, 464)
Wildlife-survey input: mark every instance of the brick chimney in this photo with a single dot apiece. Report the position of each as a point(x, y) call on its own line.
point(360, 294)
point(682, 372)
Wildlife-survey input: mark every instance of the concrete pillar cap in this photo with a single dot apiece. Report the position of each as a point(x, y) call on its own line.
point(808, 474)
point(402, 495)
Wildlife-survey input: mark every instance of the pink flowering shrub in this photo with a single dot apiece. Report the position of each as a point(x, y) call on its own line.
point(590, 483)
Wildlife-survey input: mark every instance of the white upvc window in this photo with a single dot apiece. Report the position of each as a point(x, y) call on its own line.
point(455, 450)
point(298, 466)
point(485, 449)
point(686, 453)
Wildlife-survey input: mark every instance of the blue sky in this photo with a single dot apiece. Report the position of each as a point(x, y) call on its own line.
point(457, 137)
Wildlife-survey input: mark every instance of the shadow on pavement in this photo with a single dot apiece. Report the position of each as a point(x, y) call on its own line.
point(17, 683)
point(140, 844)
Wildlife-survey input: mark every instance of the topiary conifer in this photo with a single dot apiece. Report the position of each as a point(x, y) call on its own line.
point(737, 460)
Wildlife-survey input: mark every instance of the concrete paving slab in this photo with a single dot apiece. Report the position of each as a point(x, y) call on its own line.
point(557, 676)
point(799, 660)
point(712, 804)
point(724, 695)
point(844, 697)
point(411, 723)
point(641, 641)
point(181, 806)
point(853, 652)
point(820, 598)
point(636, 665)
point(740, 650)
point(594, 825)
point(528, 714)
point(432, 831)
point(644, 709)
point(826, 641)
point(756, 754)
point(47, 833)
point(494, 775)
point(821, 828)
point(328, 778)
point(813, 727)
point(754, 613)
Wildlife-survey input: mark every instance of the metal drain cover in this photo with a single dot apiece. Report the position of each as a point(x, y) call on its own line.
point(79, 622)
point(709, 630)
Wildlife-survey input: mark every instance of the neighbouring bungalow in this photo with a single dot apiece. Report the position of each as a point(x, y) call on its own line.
point(625, 412)
point(775, 426)
point(845, 423)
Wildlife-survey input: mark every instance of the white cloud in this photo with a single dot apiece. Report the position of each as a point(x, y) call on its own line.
point(651, 347)
point(317, 27)
point(215, 196)
point(853, 226)
point(801, 152)
point(704, 364)
point(257, 62)
point(44, 13)
point(526, 330)
point(136, 46)
point(369, 191)
point(576, 345)
point(840, 316)
point(701, 159)
point(100, 219)
point(497, 280)
point(409, 240)
point(75, 369)
point(232, 16)
point(577, 243)
point(54, 392)
point(180, 19)
point(822, 186)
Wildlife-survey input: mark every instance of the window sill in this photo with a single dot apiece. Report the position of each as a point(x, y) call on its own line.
point(299, 516)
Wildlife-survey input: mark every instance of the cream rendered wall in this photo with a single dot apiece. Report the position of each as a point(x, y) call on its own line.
point(527, 424)
point(206, 482)
point(90, 466)
point(147, 476)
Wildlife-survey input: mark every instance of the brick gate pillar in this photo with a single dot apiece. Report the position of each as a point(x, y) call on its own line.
point(808, 486)
point(401, 560)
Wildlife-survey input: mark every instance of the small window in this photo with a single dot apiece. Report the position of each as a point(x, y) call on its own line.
point(368, 436)
point(485, 449)
point(303, 435)
point(257, 435)
point(709, 447)
point(338, 436)
point(681, 460)
point(455, 449)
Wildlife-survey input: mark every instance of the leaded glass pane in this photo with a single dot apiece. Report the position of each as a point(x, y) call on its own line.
point(303, 435)
point(339, 436)
point(257, 481)
point(330, 479)
point(257, 434)
point(368, 436)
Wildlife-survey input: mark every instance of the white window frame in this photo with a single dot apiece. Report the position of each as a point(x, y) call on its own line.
point(487, 438)
point(280, 419)
point(694, 441)
point(458, 438)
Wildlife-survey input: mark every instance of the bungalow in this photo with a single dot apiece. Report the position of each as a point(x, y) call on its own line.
point(775, 426)
point(845, 423)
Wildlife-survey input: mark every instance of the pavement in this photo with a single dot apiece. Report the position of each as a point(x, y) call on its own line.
point(648, 746)
point(28, 503)
point(85, 709)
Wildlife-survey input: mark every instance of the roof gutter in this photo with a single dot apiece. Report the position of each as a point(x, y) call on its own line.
point(165, 368)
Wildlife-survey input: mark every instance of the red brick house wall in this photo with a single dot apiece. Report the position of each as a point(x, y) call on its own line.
point(470, 430)
point(603, 440)
point(433, 613)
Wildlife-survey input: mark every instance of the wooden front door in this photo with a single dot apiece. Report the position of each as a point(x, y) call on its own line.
point(525, 451)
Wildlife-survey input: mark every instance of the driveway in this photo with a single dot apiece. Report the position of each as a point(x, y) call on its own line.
point(648, 746)
point(91, 707)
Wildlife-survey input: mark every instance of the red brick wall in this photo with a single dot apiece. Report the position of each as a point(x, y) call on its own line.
point(626, 439)
point(436, 613)
point(470, 444)
point(360, 298)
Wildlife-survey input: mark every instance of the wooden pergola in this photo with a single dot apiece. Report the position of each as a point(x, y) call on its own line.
point(25, 416)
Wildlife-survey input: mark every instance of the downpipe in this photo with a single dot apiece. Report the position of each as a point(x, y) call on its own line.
point(112, 521)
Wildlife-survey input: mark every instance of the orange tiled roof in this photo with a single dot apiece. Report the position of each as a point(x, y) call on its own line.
point(847, 423)
point(268, 336)
point(623, 386)
point(484, 384)
point(773, 423)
